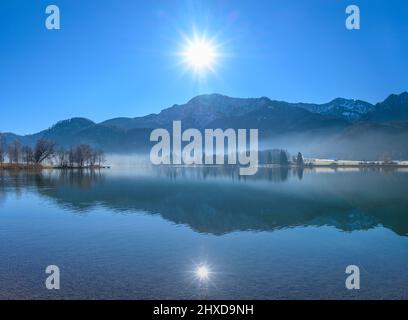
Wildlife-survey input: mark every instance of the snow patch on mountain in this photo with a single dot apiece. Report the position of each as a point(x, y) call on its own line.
point(348, 109)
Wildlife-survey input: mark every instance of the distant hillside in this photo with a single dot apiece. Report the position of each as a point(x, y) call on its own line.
point(346, 128)
point(347, 109)
point(281, 118)
point(394, 108)
point(199, 112)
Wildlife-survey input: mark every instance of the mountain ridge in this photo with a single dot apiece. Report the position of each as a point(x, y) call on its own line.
point(273, 118)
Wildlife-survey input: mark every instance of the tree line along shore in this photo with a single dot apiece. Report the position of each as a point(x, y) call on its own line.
point(46, 154)
point(279, 157)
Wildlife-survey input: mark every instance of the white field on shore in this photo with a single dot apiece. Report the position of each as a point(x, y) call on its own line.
point(329, 162)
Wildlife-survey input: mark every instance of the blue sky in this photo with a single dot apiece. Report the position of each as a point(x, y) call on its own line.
point(116, 58)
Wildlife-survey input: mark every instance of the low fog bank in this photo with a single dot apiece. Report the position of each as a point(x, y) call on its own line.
point(367, 147)
point(129, 160)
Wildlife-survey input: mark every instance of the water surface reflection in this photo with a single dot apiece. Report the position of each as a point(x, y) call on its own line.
point(142, 234)
point(219, 201)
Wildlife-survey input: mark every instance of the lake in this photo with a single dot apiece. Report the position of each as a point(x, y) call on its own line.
point(142, 233)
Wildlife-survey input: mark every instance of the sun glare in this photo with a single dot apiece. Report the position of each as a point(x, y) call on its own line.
point(203, 273)
point(200, 54)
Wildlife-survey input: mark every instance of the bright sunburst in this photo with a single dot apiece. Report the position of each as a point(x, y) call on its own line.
point(199, 54)
point(202, 273)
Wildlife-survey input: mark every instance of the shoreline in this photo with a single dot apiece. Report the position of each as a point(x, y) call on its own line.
point(355, 166)
point(333, 165)
point(38, 167)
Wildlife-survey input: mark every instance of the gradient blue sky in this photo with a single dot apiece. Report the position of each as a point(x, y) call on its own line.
point(116, 58)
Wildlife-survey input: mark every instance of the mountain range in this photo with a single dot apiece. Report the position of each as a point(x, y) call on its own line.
point(340, 128)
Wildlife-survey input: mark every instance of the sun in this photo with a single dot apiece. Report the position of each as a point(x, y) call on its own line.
point(200, 54)
point(202, 272)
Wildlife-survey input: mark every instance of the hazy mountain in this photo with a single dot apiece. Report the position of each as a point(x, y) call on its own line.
point(199, 112)
point(206, 110)
point(63, 132)
point(394, 108)
point(80, 130)
point(346, 128)
point(218, 111)
point(280, 117)
point(341, 108)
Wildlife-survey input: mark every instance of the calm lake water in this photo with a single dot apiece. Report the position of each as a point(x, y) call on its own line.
point(141, 234)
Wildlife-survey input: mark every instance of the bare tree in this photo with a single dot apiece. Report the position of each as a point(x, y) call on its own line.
point(82, 154)
point(284, 158)
point(63, 157)
point(14, 150)
point(44, 149)
point(27, 154)
point(79, 158)
point(97, 158)
point(71, 157)
point(93, 158)
point(299, 160)
point(100, 157)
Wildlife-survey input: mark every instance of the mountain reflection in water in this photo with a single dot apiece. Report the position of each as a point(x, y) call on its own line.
point(216, 200)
